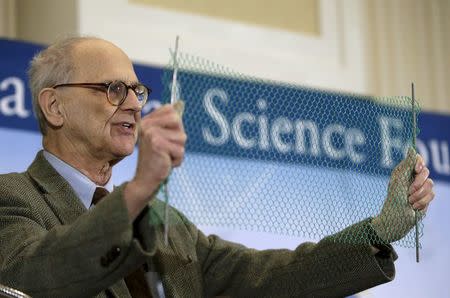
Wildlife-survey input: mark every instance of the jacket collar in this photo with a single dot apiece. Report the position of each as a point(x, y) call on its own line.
point(57, 192)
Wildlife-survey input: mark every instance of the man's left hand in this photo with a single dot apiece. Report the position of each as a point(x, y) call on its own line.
point(397, 216)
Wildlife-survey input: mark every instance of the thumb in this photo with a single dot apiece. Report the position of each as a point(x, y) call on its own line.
point(179, 107)
point(411, 155)
point(410, 161)
point(406, 166)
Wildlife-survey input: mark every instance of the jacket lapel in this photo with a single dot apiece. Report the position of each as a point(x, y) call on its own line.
point(65, 204)
point(57, 192)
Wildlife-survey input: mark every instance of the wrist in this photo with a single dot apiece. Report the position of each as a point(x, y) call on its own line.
point(137, 197)
point(380, 230)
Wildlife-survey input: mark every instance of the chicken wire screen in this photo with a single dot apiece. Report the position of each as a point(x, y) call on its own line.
point(272, 157)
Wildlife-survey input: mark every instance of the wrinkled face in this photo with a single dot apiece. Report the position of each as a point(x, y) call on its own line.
point(91, 124)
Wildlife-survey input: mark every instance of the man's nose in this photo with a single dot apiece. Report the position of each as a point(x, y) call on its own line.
point(131, 102)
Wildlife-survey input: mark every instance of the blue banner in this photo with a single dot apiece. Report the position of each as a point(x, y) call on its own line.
point(254, 119)
point(259, 120)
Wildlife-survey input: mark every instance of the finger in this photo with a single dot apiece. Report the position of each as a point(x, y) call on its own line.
point(161, 144)
point(174, 150)
point(420, 164)
point(407, 164)
point(177, 156)
point(423, 203)
point(162, 110)
point(169, 119)
point(157, 138)
point(163, 139)
point(419, 180)
point(426, 188)
point(166, 112)
point(410, 160)
point(179, 107)
point(175, 136)
point(423, 211)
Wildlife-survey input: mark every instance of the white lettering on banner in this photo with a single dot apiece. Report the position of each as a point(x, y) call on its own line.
point(236, 130)
point(14, 104)
point(263, 124)
point(440, 165)
point(303, 137)
point(330, 150)
point(422, 150)
point(388, 142)
point(279, 127)
point(355, 137)
point(300, 145)
point(277, 134)
point(435, 153)
point(438, 159)
point(218, 118)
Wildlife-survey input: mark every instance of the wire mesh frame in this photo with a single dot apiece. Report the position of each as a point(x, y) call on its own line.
point(197, 181)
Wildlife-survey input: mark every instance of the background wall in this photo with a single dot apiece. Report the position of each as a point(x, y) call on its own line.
point(360, 46)
point(409, 40)
point(371, 47)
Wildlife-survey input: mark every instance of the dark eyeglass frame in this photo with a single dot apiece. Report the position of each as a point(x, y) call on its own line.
point(106, 87)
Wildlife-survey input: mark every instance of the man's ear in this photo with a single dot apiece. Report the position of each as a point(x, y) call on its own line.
point(51, 107)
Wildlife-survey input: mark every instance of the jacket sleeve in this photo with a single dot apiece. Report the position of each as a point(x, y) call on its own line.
point(333, 267)
point(79, 259)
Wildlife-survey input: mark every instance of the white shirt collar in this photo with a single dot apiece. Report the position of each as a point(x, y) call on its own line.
point(82, 185)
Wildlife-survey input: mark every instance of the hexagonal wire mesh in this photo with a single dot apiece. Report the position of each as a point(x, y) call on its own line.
point(274, 157)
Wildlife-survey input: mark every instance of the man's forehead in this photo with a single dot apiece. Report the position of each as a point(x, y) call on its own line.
point(98, 50)
point(103, 61)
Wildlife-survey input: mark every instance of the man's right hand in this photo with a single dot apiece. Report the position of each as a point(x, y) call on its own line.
point(161, 147)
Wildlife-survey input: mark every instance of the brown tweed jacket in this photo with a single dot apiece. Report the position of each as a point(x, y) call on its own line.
point(51, 246)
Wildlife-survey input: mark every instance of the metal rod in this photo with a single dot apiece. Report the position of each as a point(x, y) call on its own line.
point(173, 99)
point(416, 219)
point(166, 213)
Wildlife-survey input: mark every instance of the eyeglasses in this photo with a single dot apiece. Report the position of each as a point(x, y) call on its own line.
point(116, 91)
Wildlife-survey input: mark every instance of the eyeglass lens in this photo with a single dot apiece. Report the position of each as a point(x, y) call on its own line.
point(118, 90)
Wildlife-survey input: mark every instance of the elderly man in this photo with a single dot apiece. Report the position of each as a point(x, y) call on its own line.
point(88, 100)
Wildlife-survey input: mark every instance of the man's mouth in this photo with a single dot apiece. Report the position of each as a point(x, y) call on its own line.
point(128, 125)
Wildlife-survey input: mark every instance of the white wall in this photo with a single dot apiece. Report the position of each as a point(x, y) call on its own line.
point(44, 21)
point(7, 18)
point(410, 42)
point(371, 47)
point(339, 59)
point(333, 61)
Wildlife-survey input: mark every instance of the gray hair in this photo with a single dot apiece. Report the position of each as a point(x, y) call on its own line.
point(51, 66)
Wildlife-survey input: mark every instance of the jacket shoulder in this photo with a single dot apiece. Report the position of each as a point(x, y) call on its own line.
point(13, 184)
